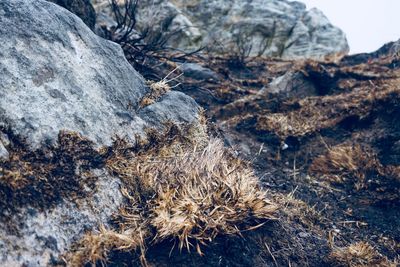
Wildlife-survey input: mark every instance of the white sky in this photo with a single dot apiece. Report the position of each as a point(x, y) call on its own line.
point(368, 24)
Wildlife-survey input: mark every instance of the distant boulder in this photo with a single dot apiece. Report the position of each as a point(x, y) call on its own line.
point(272, 28)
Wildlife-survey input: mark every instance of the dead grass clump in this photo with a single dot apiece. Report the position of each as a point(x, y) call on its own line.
point(130, 236)
point(200, 194)
point(94, 247)
point(157, 89)
point(189, 194)
point(316, 113)
point(360, 254)
point(195, 194)
point(347, 161)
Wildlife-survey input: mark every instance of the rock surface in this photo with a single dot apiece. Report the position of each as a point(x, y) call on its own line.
point(391, 50)
point(4, 155)
point(275, 28)
point(44, 235)
point(57, 74)
point(198, 72)
point(291, 84)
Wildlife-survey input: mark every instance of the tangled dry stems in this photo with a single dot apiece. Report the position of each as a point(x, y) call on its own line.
point(360, 254)
point(186, 194)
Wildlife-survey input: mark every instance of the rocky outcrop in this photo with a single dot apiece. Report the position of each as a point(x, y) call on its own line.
point(274, 28)
point(266, 27)
point(58, 77)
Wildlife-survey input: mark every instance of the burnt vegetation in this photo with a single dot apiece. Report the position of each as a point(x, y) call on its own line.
point(327, 156)
point(284, 180)
point(144, 45)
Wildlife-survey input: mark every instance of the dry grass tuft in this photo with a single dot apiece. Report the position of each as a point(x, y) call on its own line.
point(347, 161)
point(195, 194)
point(94, 247)
point(360, 254)
point(201, 194)
point(157, 89)
point(186, 194)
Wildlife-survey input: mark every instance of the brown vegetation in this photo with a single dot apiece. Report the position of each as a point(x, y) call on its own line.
point(316, 113)
point(175, 192)
point(347, 161)
point(41, 178)
point(360, 254)
point(354, 162)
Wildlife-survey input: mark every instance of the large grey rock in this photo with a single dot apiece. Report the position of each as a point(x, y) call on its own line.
point(166, 109)
point(313, 36)
point(277, 28)
point(266, 27)
point(57, 74)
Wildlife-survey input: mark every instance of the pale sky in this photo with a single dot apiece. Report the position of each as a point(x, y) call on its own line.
point(368, 24)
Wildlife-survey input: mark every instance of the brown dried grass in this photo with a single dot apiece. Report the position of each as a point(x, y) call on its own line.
point(347, 161)
point(352, 160)
point(360, 254)
point(95, 247)
point(182, 193)
point(157, 89)
point(201, 194)
point(316, 113)
point(15, 172)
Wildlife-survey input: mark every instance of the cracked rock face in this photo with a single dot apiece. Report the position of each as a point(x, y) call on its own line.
point(57, 74)
point(265, 27)
point(277, 28)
